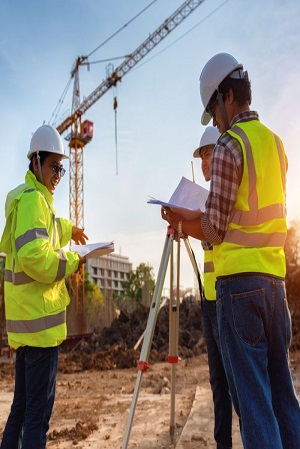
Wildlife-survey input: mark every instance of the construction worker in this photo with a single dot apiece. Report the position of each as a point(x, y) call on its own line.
point(245, 220)
point(217, 376)
point(35, 292)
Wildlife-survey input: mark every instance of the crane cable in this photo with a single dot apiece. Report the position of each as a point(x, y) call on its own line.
point(116, 128)
point(120, 29)
point(63, 95)
point(182, 36)
point(60, 102)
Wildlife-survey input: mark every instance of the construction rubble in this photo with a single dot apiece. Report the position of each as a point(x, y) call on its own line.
point(114, 346)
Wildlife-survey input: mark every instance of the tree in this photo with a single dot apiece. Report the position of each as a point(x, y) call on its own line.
point(140, 286)
point(93, 302)
point(292, 253)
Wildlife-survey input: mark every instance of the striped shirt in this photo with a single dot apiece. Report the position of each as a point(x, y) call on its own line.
point(226, 174)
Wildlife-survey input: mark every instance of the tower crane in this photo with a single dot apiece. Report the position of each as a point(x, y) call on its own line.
point(82, 132)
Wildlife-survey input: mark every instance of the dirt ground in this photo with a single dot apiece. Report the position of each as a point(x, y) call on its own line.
point(92, 407)
point(96, 381)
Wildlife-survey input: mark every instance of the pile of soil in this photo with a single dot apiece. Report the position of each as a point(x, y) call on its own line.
point(114, 346)
point(295, 314)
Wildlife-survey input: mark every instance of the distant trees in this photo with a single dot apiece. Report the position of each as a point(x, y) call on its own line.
point(292, 252)
point(139, 287)
point(94, 302)
point(292, 280)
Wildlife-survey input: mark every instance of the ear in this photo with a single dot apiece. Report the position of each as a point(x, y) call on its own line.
point(230, 97)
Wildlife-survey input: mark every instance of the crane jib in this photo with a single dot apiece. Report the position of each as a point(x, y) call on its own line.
point(135, 57)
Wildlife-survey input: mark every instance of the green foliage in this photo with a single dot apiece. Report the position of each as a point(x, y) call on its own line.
point(94, 302)
point(292, 253)
point(139, 285)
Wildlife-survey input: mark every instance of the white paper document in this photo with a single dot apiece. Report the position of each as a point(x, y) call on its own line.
point(187, 200)
point(92, 250)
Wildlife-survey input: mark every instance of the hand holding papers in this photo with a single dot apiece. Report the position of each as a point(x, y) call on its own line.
point(93, 250)
point(187, 200)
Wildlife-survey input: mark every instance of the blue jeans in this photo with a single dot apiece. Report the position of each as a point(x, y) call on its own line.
point(217, 377)
point(255, 333)
point(35, 380)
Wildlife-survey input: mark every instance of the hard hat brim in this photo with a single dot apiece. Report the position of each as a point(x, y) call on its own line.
point(206, 118)
point(64, 156)
point(30, 154)
point(197, 152)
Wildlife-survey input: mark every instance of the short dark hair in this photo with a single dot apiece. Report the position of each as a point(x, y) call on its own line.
point(43, 156)
point(241, 90)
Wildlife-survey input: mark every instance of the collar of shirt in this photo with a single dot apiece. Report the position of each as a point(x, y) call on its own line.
point(244, 117)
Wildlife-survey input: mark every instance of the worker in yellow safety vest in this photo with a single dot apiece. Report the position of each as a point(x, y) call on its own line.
point(245, 221)
point(35, 293)
point(217, 375)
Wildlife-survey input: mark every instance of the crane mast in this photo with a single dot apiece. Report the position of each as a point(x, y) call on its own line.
point(77, 138)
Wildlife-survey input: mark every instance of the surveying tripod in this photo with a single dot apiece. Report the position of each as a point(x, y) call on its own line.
point(172, 358)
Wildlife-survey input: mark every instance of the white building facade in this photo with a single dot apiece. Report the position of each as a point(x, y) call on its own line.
point(109, 271)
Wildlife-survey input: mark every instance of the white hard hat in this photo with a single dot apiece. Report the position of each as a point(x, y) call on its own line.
point(209, 137)
point(213, 73)
point(47, 138)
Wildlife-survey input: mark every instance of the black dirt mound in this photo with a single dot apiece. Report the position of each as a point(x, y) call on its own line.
point(114, 347)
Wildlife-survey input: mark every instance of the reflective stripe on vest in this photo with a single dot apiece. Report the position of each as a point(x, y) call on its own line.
point(17, 278)
point(254, 239)
point(209, 267)
point(209, 276)
point(61, 266)
point(31, 235)
point(35, 325)
point(21, 278)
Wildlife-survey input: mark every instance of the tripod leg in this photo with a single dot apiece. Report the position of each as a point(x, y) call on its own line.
point(173, 336)
point(172, 344)
point(154, 308)
point(195, 266)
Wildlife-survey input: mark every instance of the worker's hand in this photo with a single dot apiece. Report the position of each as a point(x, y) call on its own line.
point(79, 236)
point(82, 260)
point(171, 217)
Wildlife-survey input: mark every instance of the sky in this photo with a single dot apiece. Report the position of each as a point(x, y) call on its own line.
point(159, 107)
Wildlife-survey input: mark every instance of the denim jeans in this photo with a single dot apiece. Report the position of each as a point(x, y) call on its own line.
point(217, 377)
point(35, 380)
point(255, 333)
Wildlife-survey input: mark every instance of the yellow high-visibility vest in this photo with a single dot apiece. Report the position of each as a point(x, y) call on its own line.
point(209, 276)
point(34, 288)
point(254, 240)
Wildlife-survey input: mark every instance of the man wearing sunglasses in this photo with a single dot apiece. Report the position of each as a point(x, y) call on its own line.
point(245, 220)
point(35, 293)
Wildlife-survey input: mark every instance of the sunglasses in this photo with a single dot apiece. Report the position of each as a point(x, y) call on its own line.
point(211, 107)
point(58, 169)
